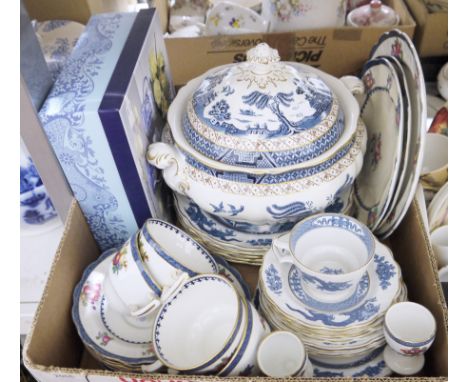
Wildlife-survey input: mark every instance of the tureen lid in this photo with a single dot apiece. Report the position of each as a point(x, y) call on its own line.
point(263, 113)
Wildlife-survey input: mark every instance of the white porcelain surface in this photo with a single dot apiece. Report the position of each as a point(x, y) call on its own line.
point(439, 241)
point(282, 354)
point(332, 253)
point(290, 15)
point(442, 81)
point(403, 365)
point(437, 210)
point(166, 251)
point(435, 153)
point(195, 30)
point(409, 328)
point(228, 18)
point(373, 14)
point(443, 274)
point(206, 314)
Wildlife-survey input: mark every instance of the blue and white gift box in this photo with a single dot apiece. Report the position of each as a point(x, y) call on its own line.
point(100, 117)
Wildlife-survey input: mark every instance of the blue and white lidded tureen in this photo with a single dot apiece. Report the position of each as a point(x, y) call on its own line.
point(273, 141)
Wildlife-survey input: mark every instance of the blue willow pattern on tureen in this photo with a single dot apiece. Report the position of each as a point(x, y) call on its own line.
point(239, 116)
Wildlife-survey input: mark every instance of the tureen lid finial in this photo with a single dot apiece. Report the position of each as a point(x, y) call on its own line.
point(263, 54)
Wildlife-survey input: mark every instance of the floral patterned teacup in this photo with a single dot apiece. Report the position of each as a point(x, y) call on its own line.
point(409, 330)
point(289, 15)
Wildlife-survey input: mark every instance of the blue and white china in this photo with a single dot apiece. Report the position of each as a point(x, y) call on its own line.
point(282, 355)
point(250, 189)
point(166, 251)
point(332, 253)
point(229, 18)
point(400, 46)
point(291, 15)
point(206, 314)
point(372, 365)
point(244, 361)
point(135, 292)
point(384, 285)
point(104, 330)
point(35, 204)
point(410, 330)
point(57, 39)
point(233, 275)
point(377, 182)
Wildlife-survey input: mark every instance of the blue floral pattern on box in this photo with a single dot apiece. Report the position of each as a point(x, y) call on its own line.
point(64, 117)
point(385, 271)
point(273, 279)
point(288, 176)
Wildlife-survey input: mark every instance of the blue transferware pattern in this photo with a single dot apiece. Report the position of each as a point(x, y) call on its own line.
point(340, 200)
point(36, 206)
point(295, 284)
point(29, 177)
point(231, 210)
point(373, 355)
point(241, 116)
point(135, 353)
point(162, 314)
point(273, 279)
point(230, 272)
point(148, 107)
point(64, 115)
point(265, 159)
point(326, 286)
point(378, 369)
point(288, 176)
point(385, 271)
point(376, 300)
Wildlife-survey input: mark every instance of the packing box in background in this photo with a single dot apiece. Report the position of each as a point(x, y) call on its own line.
point(336, 51)
point(54, 352)
point(431, 36)
point(82, 10)
point(100, 117)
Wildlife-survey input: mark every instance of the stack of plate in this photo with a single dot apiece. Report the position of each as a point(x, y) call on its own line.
point(344, 338)
point(106, 334)
point(394, 109)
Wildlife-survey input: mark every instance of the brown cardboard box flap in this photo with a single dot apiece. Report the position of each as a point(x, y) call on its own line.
point(54, 352)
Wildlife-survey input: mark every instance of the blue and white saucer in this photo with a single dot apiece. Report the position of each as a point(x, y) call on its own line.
point(233, 275)
point(103, 330)
point(372, 365)
point(384, 286)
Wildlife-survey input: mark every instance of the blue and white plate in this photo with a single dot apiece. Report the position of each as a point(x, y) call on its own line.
point(103, 330)
point(384, 285)
point(233, 275)
point(372, 365)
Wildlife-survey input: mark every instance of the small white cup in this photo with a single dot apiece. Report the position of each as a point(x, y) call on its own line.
point(282, 354)
point(332, 253)
point(409, 330)
point(434, 173)
point(439, 241)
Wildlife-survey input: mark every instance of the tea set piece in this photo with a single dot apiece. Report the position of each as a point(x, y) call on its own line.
point(228, 17)
point(437, 211)
point(281, 354)
point(184, 13)
point(399, 45)
point(434, 172)
point(103, 329)
point(374, 14)
point(439, 242)
point(233, 275)
point(442, 81)
point(378, 180)
point(410, 330)
point(289, 15)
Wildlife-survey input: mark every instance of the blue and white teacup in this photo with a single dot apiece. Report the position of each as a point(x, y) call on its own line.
point(36, 206)
point(332, 253)
point(167, 251)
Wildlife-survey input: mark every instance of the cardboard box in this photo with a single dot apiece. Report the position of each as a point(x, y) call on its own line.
point(54, 352)
point(100, 117)
point(431, 37)
point(338, 51)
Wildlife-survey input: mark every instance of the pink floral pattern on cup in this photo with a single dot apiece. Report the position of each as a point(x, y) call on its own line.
point(90, 294)
point(104, 337)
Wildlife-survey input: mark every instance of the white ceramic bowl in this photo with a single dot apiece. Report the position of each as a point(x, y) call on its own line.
point(199, 326)
point(439, 241)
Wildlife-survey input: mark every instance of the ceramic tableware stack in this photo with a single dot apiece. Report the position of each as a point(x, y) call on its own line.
point(393, 82)
point(120, 294)
point(256, 146)
point(330, 281)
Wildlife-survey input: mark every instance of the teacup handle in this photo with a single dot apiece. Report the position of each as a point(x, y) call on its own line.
point(166, 293)
point(151, 368)
point(280, 248)
point(354, 84)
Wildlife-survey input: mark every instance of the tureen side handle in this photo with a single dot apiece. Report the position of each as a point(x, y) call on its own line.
point(353, 84)
point(170, 161)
